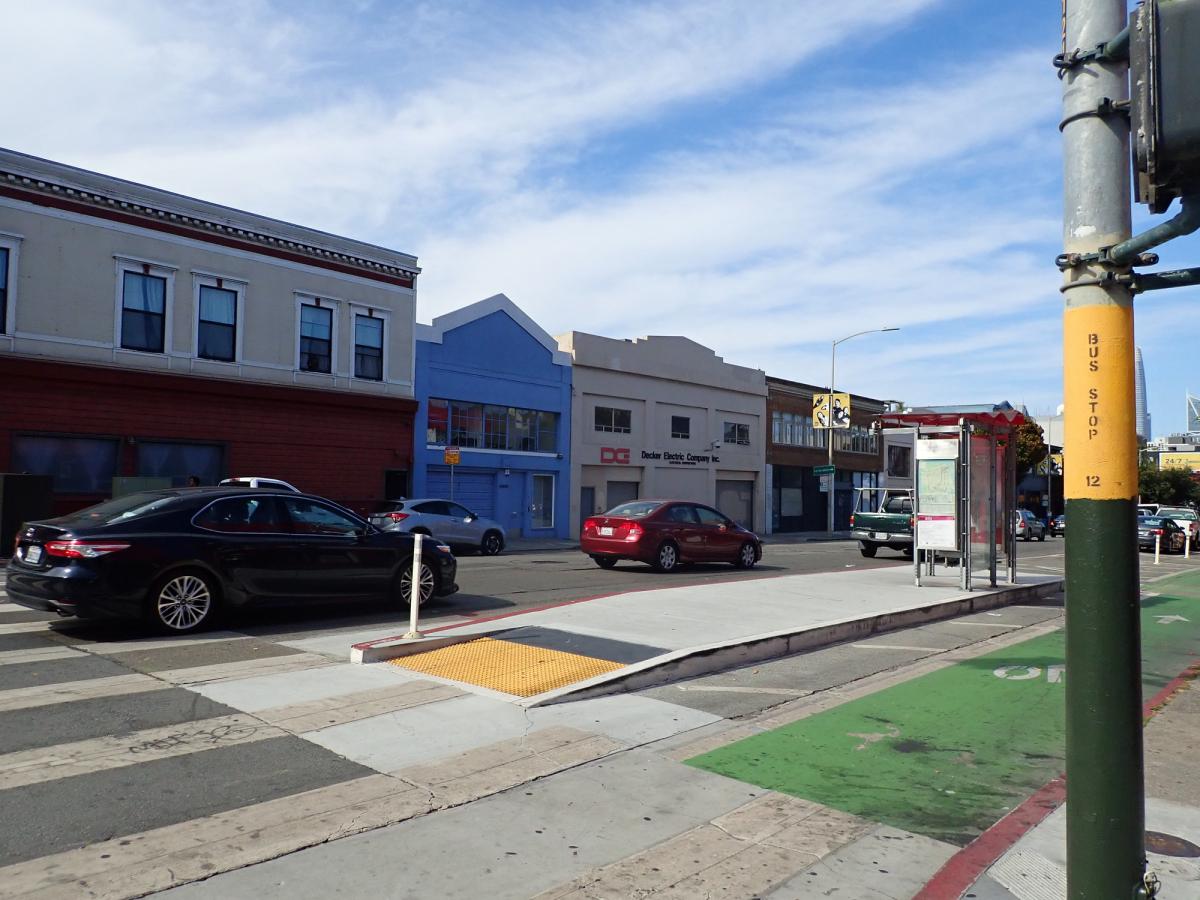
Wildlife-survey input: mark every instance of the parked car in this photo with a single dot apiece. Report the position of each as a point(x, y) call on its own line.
point(1029, 526)
point(666, 534)
point(890, 525)
point(1172, 538)
point(254, 481)
point(1185, 518)
point(180, 558)
point(1059, 524)
point(443, 519)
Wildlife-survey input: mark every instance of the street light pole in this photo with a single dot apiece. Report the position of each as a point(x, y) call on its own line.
point(831, 495)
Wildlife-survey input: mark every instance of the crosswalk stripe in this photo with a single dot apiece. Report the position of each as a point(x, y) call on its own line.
point(23, 627)
point(244, 669)
point(37, 654)
point(42, 764)
point(88, 689)
point(324, 713)
point(107, 648)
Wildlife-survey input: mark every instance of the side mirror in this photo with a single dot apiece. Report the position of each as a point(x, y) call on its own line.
point(470, 518)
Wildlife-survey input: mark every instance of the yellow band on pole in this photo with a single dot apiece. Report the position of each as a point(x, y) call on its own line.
point(1100, 450)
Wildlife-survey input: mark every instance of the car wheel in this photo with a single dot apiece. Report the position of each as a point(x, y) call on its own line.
point(868, 550)
point(605, 562)
point(183, 601)
point(747, 556)
point(667, 559)
point(491, 544)
point(404, 585)
point(1042, 536)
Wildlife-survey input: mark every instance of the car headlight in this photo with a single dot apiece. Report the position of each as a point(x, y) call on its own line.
point(444, 548)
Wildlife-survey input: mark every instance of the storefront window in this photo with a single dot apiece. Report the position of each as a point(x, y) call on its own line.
point(439, 422)
point(466, 424)
point(491, 427)
point(79, 465)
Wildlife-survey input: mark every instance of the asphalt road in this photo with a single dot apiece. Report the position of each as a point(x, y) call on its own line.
point(122, 712)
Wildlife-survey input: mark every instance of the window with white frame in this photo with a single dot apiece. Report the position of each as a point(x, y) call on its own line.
point(610, 419)
point(217, 321)
point(316, 337)
point(9, 244)
point(737, 433)
point(368, 347)
point(144, 299)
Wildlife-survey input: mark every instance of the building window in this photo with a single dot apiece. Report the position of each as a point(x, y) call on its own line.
point(178, 461)
point(316, 338)
point(737, 433)
point(618, 421)
point(79, 465)
point(216, 332)
point(3, 290)
point(368, 347)
point(143, 311)
point(456, 423)
point(681, 427)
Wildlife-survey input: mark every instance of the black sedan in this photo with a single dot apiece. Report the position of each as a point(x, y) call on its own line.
point(179, 558)
point(1171, 538)
point(1058, 525)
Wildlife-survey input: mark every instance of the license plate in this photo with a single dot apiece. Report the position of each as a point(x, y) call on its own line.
point(605, 531)
point(880, 536)
point(33, 555)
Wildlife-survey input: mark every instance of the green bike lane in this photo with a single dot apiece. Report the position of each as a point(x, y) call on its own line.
point(949, 753)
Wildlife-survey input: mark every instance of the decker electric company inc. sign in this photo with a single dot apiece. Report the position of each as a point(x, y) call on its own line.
point(622, 456)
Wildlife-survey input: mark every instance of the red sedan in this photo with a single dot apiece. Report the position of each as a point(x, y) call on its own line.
point(666, 534)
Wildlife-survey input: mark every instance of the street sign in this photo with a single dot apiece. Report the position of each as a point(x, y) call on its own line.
point(826, 482)
point(831, 410)
point(451, 456)
point(824, 470)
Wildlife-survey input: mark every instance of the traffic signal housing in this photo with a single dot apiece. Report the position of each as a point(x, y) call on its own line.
point(1164, 82)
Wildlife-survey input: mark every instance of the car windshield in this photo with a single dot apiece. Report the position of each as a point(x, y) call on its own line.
point(636, 509)
point(122, 509)
point(1185, 514)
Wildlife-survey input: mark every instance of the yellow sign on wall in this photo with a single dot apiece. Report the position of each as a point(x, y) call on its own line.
point(451, 456)
point(1179, 461)
point(831, 410)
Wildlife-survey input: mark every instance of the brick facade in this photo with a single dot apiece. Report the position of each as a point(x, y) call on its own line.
point(337, 444)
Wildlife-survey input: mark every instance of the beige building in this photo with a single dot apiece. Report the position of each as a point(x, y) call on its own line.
point(157, 336)
point(664, 417)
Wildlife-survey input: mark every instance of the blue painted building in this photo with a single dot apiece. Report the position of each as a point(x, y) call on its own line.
point(493, 384)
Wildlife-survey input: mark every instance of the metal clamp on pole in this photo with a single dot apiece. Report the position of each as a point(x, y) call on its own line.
point(414, 601)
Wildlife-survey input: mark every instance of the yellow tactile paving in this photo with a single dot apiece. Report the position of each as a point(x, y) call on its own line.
point(505, 666)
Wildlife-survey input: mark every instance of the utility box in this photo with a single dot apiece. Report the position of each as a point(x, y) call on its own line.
point(1164, 89)
point(23, 498)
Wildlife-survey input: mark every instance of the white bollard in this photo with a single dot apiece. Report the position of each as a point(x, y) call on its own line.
point(414, 598)
point(1157, 547)
point(1187, 546)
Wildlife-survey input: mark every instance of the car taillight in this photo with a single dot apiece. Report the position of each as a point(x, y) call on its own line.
point(912, 520)
point(397, 516)
point(1157, 531)
point(851, 520)
point(590, 524)
point(83, 549)
point(634, 532)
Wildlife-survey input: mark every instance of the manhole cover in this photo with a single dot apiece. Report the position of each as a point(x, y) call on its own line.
point(1170, 845)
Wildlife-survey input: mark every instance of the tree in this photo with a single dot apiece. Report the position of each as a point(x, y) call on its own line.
point(1031, 446)
point(1173, 487)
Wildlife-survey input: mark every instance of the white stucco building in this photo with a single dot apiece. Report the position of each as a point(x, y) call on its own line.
point(664, 417)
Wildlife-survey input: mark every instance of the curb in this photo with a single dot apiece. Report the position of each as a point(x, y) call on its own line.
point(692, 662)
point(704, 660)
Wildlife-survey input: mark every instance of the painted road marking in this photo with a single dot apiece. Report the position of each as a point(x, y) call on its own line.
point(244, 669)
point(989, 729)
point(343, 708)
point(24, 627)
point(897, 647)
point(40, 654)
point(116, 751)
point(1167, 620)
point(88, 689)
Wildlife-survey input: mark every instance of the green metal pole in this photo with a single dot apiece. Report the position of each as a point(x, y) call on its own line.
point(1105, 802)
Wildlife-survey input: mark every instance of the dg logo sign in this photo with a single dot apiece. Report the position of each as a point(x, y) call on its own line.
point(617, 455)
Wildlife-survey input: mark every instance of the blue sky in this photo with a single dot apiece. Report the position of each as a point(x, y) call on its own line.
point(761, 177)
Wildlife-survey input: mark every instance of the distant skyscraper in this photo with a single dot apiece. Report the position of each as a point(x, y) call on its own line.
point(1141, 415)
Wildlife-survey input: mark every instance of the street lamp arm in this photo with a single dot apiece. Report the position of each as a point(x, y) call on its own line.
point(861, 333)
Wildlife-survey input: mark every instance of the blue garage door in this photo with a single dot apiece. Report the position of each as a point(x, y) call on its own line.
point(474, 490)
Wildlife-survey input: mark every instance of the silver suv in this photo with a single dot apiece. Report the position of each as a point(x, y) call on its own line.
point(445, 520)
point(1029, 526)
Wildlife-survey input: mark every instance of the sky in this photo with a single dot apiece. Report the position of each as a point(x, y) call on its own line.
point(761, 177)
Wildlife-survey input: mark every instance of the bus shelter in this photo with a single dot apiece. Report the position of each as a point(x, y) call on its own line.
point(964, 488)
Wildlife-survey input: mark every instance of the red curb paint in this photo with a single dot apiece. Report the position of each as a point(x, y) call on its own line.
point(965, 867)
